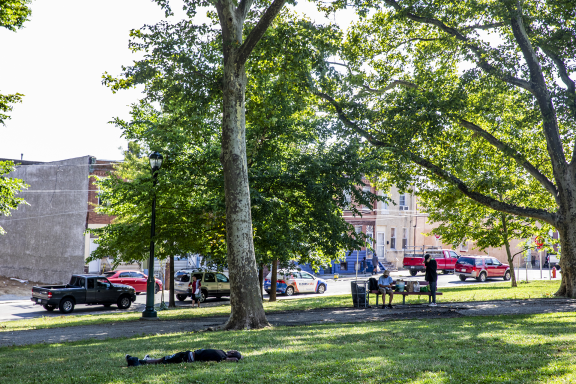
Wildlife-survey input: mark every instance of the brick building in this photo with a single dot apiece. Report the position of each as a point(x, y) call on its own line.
point(46, 240)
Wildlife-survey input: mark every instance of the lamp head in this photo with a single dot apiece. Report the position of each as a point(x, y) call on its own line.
point(155, 161)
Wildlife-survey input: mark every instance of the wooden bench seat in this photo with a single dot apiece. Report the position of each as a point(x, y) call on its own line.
point(404, 294)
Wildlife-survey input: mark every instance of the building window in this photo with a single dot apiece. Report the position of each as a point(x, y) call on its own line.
point(404, 238)
point(358, 228)
point(343, 266)
point(383, 205)
point(402, 202)
point(370, 240)
point(365, 207)
point(347, 200)
point(464, 246)
point(392, 238)
point(380, 243)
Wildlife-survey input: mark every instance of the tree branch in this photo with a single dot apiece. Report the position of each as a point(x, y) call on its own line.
point(484, 26)
point(563, 73)
point(540, 91)
point(393, 84)
point(518, 157)
point(243, 8)
point(256, 34)
point(481, 61)
point(488, 201)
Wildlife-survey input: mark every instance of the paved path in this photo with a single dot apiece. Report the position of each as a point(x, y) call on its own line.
point(319, 316)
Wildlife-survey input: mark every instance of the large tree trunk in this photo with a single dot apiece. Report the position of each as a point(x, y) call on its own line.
point(171, 302)
point(568, 261)
point(247, 311)
point(508, 253)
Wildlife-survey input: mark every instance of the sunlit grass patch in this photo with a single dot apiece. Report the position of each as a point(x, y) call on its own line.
point(484, 292)
point(502, 349)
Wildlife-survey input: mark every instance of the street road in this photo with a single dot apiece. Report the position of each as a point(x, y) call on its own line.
point(25, 309)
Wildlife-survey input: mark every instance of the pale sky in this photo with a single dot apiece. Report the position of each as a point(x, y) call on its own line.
point(57, 61)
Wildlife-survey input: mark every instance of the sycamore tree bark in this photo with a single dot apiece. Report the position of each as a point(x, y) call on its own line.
point(247, 311)
point(546, 64)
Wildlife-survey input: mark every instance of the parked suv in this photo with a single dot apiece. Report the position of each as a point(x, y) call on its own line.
point(481, 268)
point(212, 284)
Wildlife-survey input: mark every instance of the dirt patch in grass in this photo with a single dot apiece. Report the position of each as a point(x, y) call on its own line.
point(12, 289)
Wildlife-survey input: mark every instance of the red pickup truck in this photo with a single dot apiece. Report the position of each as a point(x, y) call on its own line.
point(445, 258)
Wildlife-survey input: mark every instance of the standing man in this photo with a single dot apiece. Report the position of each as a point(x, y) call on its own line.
point(375, 264)
point(385, 287)
point(431, 276)
point(364, 265)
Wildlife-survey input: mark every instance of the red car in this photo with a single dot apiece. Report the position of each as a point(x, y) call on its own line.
point(481, 268)
point(135, 279)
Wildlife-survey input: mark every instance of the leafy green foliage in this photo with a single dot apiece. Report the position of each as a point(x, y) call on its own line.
point(13, 13)
point(9, 188)
point(458, 103)
point(5, 101)
point(299, 172)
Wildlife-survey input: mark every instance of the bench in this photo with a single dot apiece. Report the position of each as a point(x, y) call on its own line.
point(404, 294)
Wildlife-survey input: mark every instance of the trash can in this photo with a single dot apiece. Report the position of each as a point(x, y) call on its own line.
point(360, 294)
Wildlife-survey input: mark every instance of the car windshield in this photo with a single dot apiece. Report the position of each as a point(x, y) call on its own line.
point(466, 260)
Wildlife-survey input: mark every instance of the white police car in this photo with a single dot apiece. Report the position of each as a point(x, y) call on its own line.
point(293, 281)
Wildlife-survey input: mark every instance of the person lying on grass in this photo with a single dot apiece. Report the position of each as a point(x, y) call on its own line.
point(217, 355)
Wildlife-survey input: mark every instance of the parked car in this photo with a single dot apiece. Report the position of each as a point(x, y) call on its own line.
point(293, 281)
point(212, 284)
point(481, 268)
point(135, 279)
point(445, 259)
point(83, 289)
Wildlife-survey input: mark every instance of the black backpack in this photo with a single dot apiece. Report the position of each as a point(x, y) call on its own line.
point(372, 284)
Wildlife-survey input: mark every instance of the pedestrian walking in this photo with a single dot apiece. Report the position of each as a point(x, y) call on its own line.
point(196, 292)
point(431, 276)
point(364, 265)
point(375, 264)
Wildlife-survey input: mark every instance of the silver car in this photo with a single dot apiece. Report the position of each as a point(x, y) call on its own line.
point(212, 284)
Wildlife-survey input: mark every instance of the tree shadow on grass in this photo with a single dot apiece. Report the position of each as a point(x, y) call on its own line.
point(522, 349)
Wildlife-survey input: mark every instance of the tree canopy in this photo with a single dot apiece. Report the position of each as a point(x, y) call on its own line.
point(9, 189)
point(299, 171)
point(475, 96)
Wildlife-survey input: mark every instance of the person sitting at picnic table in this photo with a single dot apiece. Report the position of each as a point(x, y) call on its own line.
point(217, 355)
point(385, 287)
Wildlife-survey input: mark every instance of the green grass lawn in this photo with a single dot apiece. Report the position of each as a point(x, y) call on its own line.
point(495, 291)
point(502, 349)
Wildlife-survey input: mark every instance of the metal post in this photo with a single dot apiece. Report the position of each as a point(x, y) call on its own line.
point(540, 255)
point(149, 312)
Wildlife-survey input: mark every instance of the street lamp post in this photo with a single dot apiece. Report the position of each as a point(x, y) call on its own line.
point(149, 312)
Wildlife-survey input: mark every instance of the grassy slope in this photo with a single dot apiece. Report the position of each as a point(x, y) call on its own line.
point(503, 349)
point(495, 291)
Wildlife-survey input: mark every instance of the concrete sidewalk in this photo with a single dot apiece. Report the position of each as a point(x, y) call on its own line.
point(293, 318)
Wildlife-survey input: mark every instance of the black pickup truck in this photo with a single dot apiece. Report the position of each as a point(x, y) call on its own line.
point(83, 289)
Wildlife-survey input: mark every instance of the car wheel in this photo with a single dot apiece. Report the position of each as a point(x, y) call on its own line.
point(156, 289)
point(413, 273)
point(107, 305)
point(462, 278)
point(181, 297)
point(482, 277)
point(321, 289)
point(289, 291)
point(66, 305)
point(507, 276)
point(124, 302)
point(49, 307)
point(203, 296)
